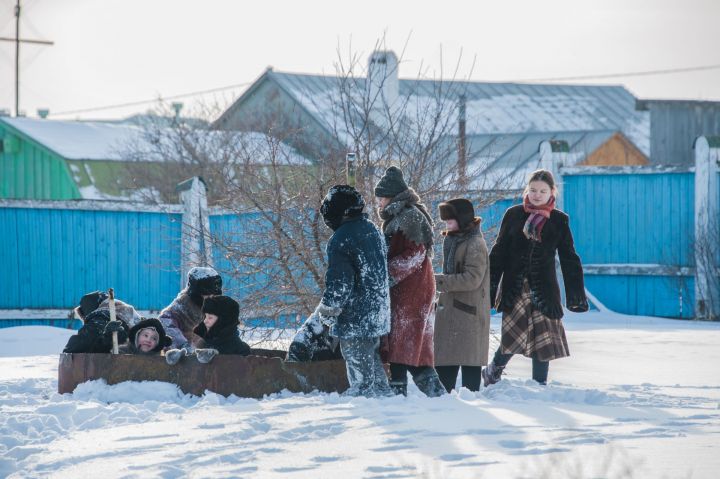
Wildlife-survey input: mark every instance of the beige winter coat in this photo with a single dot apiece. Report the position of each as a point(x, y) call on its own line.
point(462, 321)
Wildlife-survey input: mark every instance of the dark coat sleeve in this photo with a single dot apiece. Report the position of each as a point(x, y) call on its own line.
point(89, 339)
point(339, 277)
point(498, 255)
point(572, 271)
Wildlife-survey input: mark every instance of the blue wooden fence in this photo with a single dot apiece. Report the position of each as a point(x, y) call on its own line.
point(50, 257)
point(635, 220)
point(624, 225)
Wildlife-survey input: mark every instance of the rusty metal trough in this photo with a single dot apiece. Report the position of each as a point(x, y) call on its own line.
point(254, 376)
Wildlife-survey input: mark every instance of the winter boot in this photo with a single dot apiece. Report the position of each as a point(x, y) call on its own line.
point(399, 387)
point(429, 383)
point(491, 374)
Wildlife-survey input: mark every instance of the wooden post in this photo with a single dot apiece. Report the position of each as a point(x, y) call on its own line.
point(196, 248)
point(113, 317)
point(707, 155)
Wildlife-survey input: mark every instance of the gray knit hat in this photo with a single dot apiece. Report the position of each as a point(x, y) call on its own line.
point(391, 184)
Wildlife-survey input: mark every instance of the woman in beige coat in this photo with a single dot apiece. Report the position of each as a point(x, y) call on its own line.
point(462, 321)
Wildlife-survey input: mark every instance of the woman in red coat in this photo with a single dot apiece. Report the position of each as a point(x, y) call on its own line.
point(408, 230)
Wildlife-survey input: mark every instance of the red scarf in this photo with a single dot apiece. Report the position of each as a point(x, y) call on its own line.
point(538, 216)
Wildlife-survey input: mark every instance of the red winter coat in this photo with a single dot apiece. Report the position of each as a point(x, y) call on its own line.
point(412, 295)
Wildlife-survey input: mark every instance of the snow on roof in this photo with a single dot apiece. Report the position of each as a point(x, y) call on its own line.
point(493, 108)
point(93, 140)
point(507, 160)
point(78, 140)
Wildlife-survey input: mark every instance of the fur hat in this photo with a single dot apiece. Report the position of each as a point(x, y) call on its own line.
point(340, 201)
point(163, 341)
point(204, 281)
point(228, 312)
point(391, 184)
point(90, 302)
point(459, 209)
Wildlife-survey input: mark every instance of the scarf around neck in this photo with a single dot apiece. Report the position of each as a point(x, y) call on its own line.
point(537, 219)
point(398, 215)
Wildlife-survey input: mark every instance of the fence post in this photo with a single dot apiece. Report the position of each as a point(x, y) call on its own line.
point(707, 155)
point(196, 245)
point(553, 156)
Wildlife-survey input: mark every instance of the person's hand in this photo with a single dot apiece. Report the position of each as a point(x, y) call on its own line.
point(204, 356)
point(115, 327)
point(173, 356)
point(580, 306)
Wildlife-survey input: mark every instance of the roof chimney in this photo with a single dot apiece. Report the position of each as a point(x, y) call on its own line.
point(384, 86)
point(43, 112)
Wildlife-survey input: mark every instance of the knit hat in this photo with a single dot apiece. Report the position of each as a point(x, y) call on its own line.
point(204, 281)
point(164, 340)
point(226, 309)
point(90, 302)
point(391, 184)
point(340, 201)
point(459, 209)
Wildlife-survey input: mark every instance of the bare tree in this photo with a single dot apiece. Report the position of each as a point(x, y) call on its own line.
point(269, 233)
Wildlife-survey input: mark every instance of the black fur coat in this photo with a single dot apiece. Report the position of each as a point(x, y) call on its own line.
point(515, 257)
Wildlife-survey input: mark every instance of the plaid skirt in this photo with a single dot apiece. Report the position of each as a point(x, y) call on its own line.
point(527, 331)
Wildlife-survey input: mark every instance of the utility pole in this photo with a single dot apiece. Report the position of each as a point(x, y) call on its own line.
point(18, 41)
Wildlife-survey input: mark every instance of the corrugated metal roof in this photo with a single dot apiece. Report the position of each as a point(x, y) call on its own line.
point(494, 108)
point(504, 161)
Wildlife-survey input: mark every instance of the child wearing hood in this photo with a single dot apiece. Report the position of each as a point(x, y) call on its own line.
point(218, 331)
point(146, 337)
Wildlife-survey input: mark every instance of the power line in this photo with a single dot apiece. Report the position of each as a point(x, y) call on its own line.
point(143, 102)
point(627, 74)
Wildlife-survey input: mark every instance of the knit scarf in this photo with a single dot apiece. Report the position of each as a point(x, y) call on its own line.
point(397, 216)
point(538, 216)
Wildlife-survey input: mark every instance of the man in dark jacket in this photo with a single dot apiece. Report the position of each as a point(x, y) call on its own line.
point(356, 301)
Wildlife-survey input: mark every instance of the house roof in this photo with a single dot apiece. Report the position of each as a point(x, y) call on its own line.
point(94, 140)
point(495, 108)
point(506, 160)
point(78, 140)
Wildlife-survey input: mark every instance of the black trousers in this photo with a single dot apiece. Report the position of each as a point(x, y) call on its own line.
point(539, 368)
point(470, 376)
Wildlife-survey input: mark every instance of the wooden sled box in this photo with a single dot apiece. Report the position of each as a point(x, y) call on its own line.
point(254, 376)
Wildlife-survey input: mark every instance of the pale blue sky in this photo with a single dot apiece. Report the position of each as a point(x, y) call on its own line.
point(114, 51)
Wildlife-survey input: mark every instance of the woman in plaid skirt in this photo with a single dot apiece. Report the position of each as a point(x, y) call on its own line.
point(523, 280)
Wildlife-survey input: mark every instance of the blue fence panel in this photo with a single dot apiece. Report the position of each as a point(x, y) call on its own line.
point(632, 218)
point(665, 296)
point(51, 257)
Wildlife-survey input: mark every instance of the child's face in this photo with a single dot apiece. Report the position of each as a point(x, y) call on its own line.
point(452, 225)
point(539, 193)
point(148, 339)
point(210, 320)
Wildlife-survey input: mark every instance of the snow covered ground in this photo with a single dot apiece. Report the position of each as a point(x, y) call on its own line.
point(639, 397)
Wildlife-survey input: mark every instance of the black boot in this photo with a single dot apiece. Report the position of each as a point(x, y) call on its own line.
point(399, 387)
point(429, 383)
point(491, 374)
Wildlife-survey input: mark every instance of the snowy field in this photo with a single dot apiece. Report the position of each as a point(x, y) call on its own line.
point(639, 397)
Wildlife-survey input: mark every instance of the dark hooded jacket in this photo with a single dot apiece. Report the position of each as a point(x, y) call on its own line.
point(224, 334)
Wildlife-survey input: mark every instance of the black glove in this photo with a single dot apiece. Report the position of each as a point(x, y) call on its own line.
point(115, 327)
point(298, 352)
point(578, 305)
